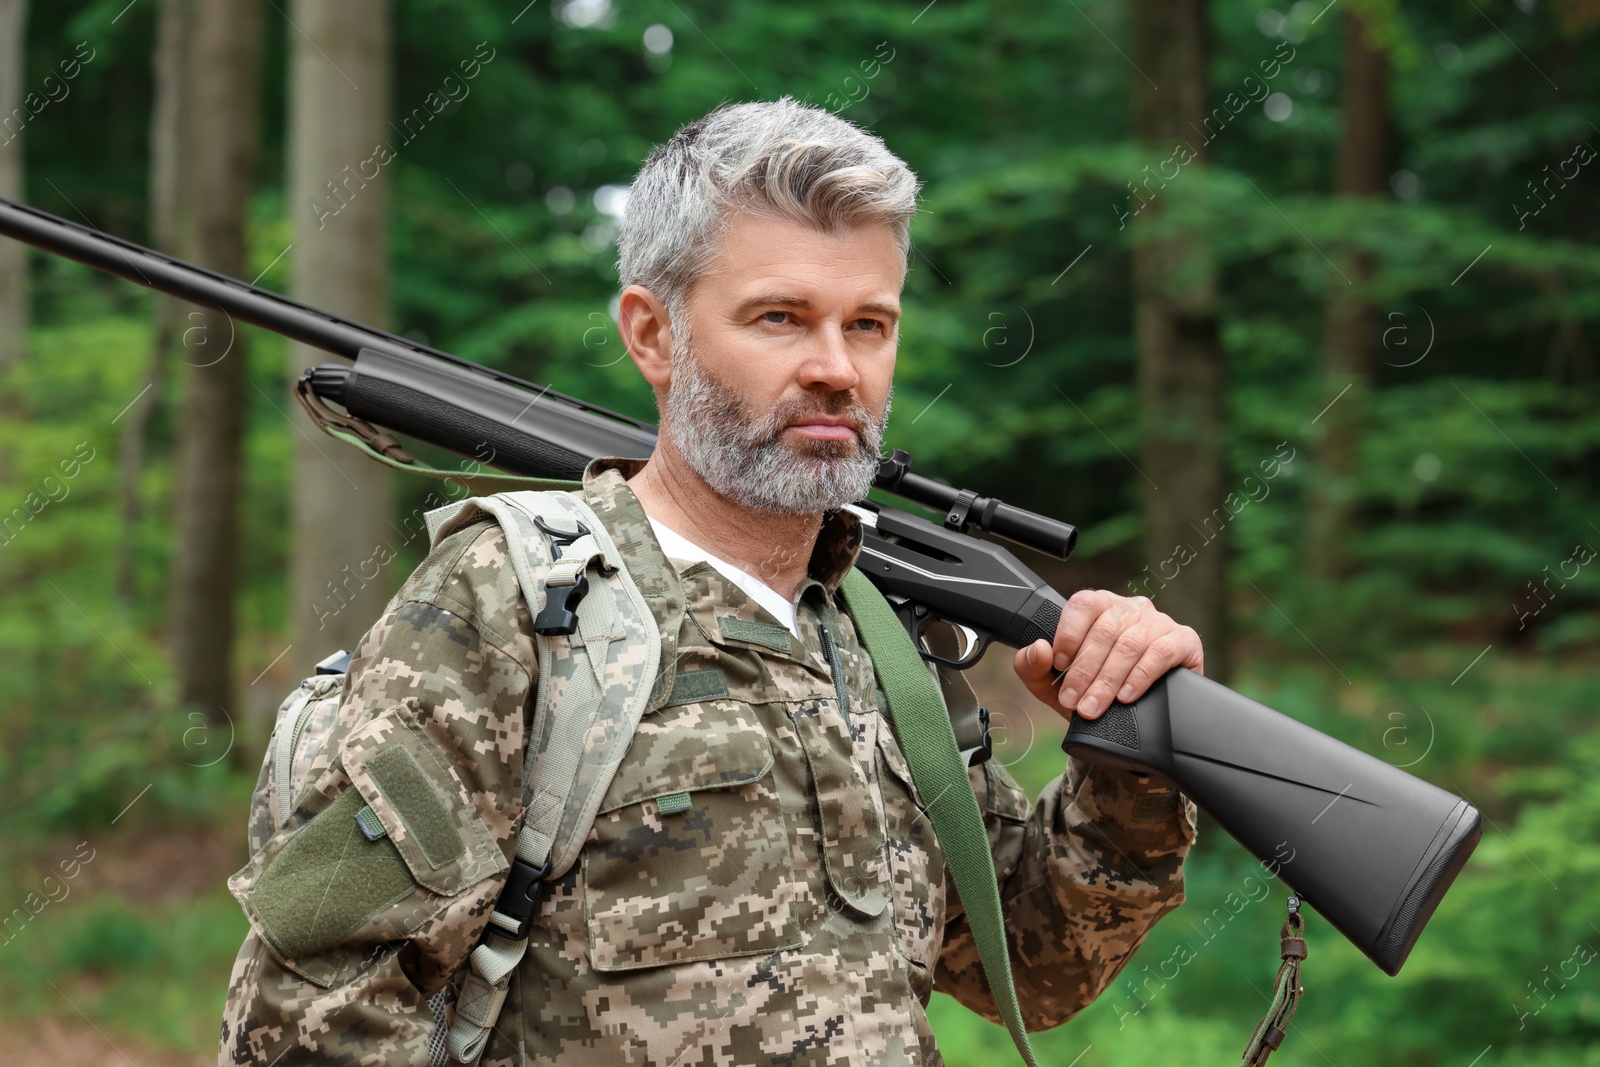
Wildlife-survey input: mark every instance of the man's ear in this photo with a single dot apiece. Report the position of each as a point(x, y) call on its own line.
point(647, 334)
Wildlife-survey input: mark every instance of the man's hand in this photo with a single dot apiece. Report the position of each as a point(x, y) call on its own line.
point(1111, 647)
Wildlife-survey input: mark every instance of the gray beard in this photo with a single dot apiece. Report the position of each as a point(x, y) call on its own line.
point(747, 459)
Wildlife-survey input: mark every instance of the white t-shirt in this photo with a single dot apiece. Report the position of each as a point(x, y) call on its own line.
point(676, 546)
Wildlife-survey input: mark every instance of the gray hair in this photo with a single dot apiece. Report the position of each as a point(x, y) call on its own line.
point(780, 159)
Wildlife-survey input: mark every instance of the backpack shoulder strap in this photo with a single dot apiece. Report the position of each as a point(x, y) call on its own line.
point(922, 726)
point(603, 644)
point(597, 636)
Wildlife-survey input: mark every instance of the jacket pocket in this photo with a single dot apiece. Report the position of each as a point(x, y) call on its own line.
point(916, 862)
point(689, 858)
point(388, 841)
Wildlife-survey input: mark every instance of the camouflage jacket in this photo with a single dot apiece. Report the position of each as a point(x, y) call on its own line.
point(796, 911)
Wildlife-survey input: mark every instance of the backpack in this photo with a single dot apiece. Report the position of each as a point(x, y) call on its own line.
point(574, 580)
point(553, 537)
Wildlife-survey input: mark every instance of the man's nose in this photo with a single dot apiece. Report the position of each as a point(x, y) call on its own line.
point(829, 362)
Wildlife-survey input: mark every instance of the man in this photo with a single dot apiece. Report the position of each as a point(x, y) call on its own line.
point(792, 906)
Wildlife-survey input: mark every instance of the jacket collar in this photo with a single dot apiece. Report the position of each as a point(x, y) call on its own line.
point(607, 492)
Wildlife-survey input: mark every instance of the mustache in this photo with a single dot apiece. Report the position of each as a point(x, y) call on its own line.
point(836, 405)
point(760, 430)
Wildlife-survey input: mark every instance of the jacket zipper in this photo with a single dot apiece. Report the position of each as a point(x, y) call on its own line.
point(837, 672)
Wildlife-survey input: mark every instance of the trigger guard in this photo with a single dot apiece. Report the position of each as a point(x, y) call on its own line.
point(976, 643)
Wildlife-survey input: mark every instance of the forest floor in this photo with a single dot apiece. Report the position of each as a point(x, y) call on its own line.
point(118, 972)
point(48, 1042)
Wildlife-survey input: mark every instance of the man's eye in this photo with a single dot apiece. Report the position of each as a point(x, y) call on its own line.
point(871, 324)
point(782, 315)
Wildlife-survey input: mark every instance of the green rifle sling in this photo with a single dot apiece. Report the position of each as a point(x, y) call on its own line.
point(923, 728)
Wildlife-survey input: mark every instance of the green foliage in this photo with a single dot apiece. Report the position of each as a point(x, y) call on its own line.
point(159, 973)
point(107, 939)
point(1016, 377)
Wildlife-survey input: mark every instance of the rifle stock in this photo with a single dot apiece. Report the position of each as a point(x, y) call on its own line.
point(1371, 847)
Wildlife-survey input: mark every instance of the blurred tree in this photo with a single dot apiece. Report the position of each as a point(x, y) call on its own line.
point(170, 69)
point(13, 256)
point(341, 502)
point(220, 141)
point(1361, 171)
point(1175, 330)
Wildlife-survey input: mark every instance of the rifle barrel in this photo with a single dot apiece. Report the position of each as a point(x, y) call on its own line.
point(246, 303)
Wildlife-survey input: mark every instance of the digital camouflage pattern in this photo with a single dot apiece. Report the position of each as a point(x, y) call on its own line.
point(760, 884)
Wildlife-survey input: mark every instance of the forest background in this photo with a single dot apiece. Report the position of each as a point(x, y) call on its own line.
point(1286, 307)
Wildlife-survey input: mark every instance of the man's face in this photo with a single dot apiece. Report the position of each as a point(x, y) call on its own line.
point(781, 384)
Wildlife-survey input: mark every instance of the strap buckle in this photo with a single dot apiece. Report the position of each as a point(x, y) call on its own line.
point(559, 616)
point(519, 899)
point(560, 538)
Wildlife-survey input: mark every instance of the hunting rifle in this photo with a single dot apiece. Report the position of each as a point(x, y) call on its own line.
point(1372, 847)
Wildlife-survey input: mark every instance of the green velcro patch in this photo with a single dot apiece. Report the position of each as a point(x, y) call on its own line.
point(690, 686)
point(367, 820)
point(406, 787)
point(767, 634)
point(327, 881)
point(674, 803)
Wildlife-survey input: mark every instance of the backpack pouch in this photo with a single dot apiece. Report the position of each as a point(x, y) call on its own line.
point(387, 848)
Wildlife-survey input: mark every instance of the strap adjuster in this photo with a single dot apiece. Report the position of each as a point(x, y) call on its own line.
point(559, 615)
point(519, 899)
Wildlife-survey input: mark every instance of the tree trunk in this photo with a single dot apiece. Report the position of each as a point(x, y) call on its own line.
point(1181, 380)
point(168, 203)
point(13, 254)
point(1347, 324)
point(220, 145)
point(339, 199)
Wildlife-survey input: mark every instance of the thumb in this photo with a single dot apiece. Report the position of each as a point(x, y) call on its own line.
point(1032, 663)
point(1035, 668)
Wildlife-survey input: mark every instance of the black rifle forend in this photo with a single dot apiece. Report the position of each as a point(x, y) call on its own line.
point(1371, 847)
point(455, 403)
point(452, 406)
point(524, 429)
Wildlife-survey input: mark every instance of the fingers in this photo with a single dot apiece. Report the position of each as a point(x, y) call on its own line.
point(1077, 617)
point(1113, 648)
point(1178, 647)
point(1113, 642)
point(1033, 666)
point(1098, 650)
point(1126, 651)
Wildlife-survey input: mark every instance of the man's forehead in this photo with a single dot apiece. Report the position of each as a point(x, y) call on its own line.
point(756, 245)
point(794, 264)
